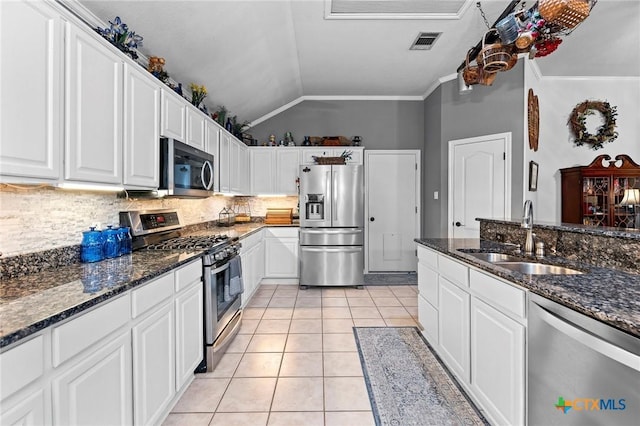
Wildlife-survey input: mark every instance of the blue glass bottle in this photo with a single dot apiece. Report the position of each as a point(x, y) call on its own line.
point(125, 240)
point(110, 247)
point(91, 247)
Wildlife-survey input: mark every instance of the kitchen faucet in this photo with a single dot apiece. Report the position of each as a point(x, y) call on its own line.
point(527, 223)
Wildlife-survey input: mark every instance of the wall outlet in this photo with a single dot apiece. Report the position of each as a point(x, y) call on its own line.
point(500, 238)
point(435, 195)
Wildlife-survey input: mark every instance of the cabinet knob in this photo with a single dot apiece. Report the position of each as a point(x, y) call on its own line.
point(458, 224)
point(372, 219)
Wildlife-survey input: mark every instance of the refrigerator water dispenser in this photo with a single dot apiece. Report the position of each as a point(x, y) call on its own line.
point(315, 207)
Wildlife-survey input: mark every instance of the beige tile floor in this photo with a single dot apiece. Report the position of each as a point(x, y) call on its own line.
point(295, 360)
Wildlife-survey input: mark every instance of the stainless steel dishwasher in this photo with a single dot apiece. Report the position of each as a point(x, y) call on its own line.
point(580, 370)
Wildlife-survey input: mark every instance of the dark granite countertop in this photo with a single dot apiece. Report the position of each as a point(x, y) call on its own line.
point(605, 294)
point(30, 303)
point(607, 231)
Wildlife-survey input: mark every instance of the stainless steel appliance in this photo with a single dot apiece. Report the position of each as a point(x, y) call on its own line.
point(161, 230)
point(580, 370)
point(331, 225)
point(184, 170)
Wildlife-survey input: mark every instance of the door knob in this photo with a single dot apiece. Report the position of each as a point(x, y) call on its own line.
point(458, 224)
point(372, 219)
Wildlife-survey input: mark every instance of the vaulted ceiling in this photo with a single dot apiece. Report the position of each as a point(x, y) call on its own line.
point(256, 56)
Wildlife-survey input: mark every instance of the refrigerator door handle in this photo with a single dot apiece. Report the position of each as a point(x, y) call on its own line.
point(329, 187)
point(331, 230)
point(334, 197)
point(346, 249)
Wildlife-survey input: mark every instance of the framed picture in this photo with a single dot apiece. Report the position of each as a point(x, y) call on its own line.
point(533, 176)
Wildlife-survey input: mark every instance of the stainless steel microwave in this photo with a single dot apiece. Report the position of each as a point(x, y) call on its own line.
point(185, 171)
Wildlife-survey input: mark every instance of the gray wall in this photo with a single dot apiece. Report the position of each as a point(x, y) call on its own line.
point(483, 111)
point(381, 124)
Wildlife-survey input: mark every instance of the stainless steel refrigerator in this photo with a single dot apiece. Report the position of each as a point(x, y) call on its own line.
point(331, 225)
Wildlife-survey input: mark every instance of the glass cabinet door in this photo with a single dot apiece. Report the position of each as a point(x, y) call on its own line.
point(625, 216)
point(595, 201)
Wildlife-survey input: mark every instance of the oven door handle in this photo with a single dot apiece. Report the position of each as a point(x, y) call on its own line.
point(220, 269)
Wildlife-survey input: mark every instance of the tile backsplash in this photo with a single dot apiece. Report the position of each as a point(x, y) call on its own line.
point(34, 219)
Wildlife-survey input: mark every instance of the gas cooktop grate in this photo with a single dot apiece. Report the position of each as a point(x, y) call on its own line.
point(197, 242)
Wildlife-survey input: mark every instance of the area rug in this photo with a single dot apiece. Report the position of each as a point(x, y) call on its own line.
point(407, 278)
point(406, 382)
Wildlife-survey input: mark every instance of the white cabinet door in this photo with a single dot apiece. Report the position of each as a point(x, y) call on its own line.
point(453, 327)
point(93, 83)
point(212, 146)
point(141, 124)
point(172, 122)
point(195, 127)
point(497, 369)
point(238, 167)
point(153, 365)
point(287, 166)
point(252, 270)
point(281, 257)
point(225, 162)
point(30, 90)
point(189, 332)
point(97, 389)
point(307, 154)
point(29, 411)
point(262, 170)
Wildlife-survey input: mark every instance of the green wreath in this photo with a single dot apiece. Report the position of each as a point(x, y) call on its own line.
point(606, 132)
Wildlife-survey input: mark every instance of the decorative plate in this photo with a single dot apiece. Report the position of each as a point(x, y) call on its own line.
point(533, 117)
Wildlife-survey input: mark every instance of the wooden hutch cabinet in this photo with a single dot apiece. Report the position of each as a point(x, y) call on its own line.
point(592, 194)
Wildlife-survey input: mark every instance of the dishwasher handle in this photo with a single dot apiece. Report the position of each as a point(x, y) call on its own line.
point(572, 330)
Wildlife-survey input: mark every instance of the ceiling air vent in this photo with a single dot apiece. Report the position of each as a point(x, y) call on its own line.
point(424, 41)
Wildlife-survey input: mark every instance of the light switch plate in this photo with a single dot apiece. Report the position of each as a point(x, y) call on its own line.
point(435, 195)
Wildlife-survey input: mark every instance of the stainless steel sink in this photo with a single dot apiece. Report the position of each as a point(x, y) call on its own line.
point(531, 268)
point(494, 257)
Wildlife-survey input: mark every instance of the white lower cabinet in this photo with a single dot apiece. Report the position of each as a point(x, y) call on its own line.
point(153, 364)
point(252, 255)
point(29, 411)
point(97, 389)
point(453, 327)
point(189, 332)
point(476, 322)
point(281, 253)
point(497, 363)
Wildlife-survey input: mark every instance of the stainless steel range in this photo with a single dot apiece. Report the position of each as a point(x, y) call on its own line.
point(161, 230)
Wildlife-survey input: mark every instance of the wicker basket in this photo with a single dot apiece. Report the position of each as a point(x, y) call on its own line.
point(329, 160)
point(471, 73)
point(565, 13)
point(494, 57)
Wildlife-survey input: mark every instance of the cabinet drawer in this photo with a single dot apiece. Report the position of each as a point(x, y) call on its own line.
point(428, 257)
point(498, 293)
point(78, 334)
point(454, 271)
point(21, 365)
point(251, 240)
point(428, 283)
point(284, 232)
point(428, 318)
point(188, 274)
point(150, 295)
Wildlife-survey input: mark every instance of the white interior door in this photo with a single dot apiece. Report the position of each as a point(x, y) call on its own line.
point(393, 214)
point(479, 182)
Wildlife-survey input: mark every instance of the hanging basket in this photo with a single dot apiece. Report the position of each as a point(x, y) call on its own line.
point(471, 73)
point(564, 13)
point(494, 57)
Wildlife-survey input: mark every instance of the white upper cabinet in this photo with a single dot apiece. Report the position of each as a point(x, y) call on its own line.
point(263, 165)
point(274, 170)
point(141, 123)
point(309, 153)
point(30, 91)
point(212, 146)
point(224, 161)
point(195, 127)
point(172, 123)
point(93, 122)
point(287, 166)
point(239, 167)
